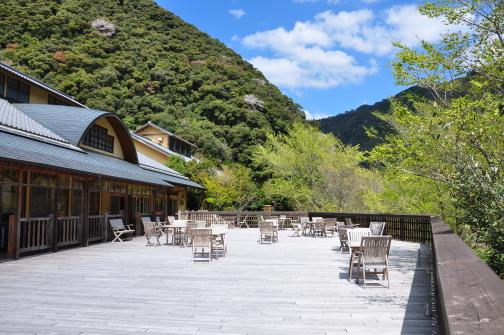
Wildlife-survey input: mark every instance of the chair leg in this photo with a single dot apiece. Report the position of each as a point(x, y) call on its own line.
point(363, 273)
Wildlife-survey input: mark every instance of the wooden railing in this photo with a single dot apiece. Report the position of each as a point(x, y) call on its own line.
point(471, 296)
point(69, 231)
point(96, 228)
point(251, 217)
point(35, 234)
point(414, 228)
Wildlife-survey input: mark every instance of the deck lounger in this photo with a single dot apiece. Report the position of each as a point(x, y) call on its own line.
point(374, 255)
point(377, 228)
point(119, 230)
point(202, 243)
point(151, 230)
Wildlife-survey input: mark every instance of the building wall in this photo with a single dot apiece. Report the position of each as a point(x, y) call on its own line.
point(38, 95)
point(149, 152)
point(154, 135)
point(118, 152)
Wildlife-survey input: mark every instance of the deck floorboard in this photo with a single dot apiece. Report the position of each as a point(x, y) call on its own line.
point(298, 286)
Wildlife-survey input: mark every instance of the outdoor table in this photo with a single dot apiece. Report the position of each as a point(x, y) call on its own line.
point(176, 228)
point(355, 249)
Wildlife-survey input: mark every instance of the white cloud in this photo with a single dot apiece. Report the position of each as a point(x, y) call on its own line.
point(314, 115)
point(237, 13)
point(316, 53)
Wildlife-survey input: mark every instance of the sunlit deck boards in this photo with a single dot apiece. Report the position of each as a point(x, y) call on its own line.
point(297, 286)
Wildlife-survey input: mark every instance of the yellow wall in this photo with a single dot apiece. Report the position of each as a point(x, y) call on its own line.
point(154, 134)
point(118, 153)
point(149, 152)
point(38, 95)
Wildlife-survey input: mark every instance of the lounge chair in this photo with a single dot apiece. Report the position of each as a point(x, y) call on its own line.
point(120, 231)
point(151, 230)
point(374, 255)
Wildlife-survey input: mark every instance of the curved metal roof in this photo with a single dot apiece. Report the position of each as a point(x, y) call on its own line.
point(71, 123)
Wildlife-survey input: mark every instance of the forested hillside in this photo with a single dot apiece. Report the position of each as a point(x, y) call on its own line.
point(361, 126)
point(144, 63)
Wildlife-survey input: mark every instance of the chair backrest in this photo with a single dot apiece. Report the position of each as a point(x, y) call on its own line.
point(150, 229)
point(343, 234)
point(180, 223)
point(219, 228)
point(183, 215)
point(266, 227)
point(117, 224)
point(348, 222)
point(317, 218)
point(145, 219)
point(170, 219)
point(375, 247)
point(356, 234)
point(340, 224)
point(330, 222)
point(201, 237)
point(377, 228)
point(158, 219)
point(190, 226)
point(304, 219)
point(201, 224)
point(283, 217)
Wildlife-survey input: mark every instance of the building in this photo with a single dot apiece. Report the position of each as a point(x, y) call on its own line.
point(65, 169)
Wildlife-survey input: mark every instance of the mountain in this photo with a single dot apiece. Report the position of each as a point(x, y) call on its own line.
point(350, 127)
point(138, 60)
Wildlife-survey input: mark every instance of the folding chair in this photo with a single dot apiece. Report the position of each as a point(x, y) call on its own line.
point(119, 230)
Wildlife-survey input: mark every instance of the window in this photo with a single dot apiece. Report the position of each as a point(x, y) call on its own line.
point(180, 147)
point(2, 85)
point(51, 100)
point(98, 137)
point(17, 91)
point(116, 204)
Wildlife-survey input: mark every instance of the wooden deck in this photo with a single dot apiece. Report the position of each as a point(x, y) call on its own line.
point(298, 286)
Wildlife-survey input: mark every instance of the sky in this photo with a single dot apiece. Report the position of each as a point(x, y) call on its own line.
point(329, 56)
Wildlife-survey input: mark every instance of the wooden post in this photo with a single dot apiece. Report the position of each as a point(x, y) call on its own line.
point(105, 224)
point(85, 214)
point(51, 236)
point(12, 242)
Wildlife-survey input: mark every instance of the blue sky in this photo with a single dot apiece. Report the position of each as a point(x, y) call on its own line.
point(329, 56)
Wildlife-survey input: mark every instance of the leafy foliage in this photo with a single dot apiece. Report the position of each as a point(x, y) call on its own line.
point(456, 143)
point(144, 63)
point(314, 171)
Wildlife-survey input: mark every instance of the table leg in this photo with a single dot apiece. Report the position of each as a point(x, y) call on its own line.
point(350, 267)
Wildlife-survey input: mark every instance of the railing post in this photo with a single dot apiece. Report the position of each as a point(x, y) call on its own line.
point(13, 241)
point(104, 226)
point(51, 232)
point(401, 229)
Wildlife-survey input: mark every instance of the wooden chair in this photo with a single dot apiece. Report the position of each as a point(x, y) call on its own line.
point(348, 222)
point(355, 234)
point(201, 224)
point(267, 232)
point(201, 243)
point(330, 226)
point(119, 230)
point(305, 225)
point(343, 237)
point(170, 219)
point(374, 255)
point(151, 230)
point(187, 232)
point(377, 228)
point(219, 231)
point(319, 228)
point(243, 222)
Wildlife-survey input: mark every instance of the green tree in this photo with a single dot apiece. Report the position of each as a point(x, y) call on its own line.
point(456, 143)
point(230, 188)
point(314, 171)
